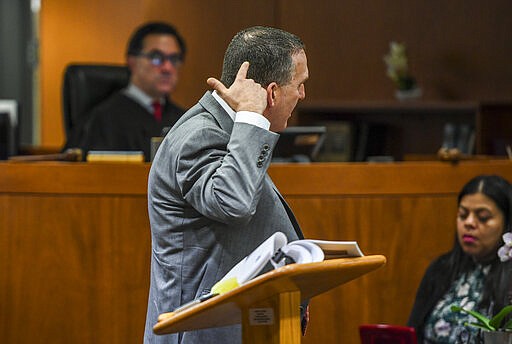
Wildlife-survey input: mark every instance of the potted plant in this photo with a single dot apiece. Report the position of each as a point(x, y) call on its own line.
point(398, 71)
point(495, 329)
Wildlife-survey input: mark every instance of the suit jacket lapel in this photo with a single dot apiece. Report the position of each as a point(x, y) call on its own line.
point(289, 212)
point(221, 116)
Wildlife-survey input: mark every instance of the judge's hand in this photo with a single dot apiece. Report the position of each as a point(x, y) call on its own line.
point(244, 94)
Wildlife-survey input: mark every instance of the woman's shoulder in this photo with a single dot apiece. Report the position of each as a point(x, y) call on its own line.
point(439, 264)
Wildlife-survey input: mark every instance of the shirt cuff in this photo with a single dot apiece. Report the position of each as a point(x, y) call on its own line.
point(253, 118)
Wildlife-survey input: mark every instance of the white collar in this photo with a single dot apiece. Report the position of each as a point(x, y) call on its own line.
point(224, 105)
point(139, 96)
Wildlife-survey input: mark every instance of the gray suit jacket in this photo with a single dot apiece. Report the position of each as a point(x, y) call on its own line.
point(211, 202)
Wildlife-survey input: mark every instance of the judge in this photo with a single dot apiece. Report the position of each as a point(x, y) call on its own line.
point(128, 119)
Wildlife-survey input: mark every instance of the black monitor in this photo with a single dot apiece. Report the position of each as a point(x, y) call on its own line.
point(299, 144)
point(8, 128)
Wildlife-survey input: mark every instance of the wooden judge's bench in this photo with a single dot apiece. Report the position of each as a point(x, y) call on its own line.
point(75, 243)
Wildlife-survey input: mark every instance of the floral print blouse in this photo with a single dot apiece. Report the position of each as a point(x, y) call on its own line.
point(445, 326)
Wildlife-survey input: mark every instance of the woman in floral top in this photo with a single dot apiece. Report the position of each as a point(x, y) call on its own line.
point(471, 274)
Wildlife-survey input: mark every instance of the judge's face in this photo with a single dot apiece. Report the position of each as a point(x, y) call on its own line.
point(154, 75)
point(480, 224)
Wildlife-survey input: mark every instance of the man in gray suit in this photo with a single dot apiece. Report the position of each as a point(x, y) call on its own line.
point(211, 201)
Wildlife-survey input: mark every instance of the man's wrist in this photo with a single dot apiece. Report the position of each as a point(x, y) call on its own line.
point(253, 118)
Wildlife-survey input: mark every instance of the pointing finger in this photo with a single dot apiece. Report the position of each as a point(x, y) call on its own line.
point(242, 72)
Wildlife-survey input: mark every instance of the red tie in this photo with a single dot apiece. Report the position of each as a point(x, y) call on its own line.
point(157, 110)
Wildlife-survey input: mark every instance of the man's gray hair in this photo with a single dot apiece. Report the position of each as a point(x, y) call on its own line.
point(269, 52)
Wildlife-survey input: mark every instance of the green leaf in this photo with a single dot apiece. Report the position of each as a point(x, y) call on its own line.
point(498, 318)
point(483, 321)
point(478, 325)
point(508, 325)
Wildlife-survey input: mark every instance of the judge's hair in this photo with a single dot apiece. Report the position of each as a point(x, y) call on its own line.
point(136, 42)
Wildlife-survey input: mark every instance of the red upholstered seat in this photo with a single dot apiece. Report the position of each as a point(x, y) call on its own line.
point(387, 334)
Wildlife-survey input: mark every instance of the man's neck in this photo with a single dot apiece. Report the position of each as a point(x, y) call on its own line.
point(140, 96)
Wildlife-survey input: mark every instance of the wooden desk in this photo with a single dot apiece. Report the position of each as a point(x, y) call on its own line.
point(74, 252)
point(75, 243)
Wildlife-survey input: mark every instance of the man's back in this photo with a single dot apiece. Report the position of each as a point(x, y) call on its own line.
point(206, 217)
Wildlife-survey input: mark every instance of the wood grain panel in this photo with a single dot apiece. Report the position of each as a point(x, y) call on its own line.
point(78, 31)
point(75, 243)
point(396, 178)
point(208, 27)
point(457, 51)
point(409, 230)
point(75, 268)
point(74, 178)
point(98, 31)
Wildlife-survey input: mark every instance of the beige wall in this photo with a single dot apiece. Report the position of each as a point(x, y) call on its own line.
point(459, 50)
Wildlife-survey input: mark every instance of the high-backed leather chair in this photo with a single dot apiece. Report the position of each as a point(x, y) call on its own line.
point(86, 85)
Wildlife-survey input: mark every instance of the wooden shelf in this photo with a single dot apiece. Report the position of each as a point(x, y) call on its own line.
point(413, 127)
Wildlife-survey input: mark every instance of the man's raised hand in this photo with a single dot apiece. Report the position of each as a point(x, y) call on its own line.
point(244, 94)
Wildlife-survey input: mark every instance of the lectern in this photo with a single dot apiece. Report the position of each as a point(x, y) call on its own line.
point(268, 306)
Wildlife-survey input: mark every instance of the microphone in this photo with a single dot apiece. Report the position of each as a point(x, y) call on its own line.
point(70, 154)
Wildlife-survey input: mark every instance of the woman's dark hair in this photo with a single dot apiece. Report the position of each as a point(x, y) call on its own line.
point(497, 285)
point(135, 44)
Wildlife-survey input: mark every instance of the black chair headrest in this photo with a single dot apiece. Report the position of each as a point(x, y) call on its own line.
point(86, 85)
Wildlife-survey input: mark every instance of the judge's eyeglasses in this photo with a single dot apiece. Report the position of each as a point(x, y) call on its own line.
point(157, 58)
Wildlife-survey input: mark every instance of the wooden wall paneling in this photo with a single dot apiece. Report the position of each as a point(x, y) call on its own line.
point(385, 225)
point(78, 31)
point(76, 268)
point(75, 251)
point(342, 45)
point(75, 256)
point(207, 27)
point(95, 31)
point(74, 178)
point(402, 178)
point(457, 50)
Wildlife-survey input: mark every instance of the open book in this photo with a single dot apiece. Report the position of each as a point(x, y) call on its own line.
point(277, 251)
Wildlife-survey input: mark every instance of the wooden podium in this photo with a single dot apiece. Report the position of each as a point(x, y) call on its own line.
point(268, 306)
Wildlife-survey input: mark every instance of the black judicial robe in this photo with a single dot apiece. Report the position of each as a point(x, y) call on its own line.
point(121, 123)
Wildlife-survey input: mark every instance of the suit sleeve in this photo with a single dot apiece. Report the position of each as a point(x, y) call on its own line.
point(221, 175)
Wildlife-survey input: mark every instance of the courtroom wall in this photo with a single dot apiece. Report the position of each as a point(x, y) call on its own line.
point(458, 50)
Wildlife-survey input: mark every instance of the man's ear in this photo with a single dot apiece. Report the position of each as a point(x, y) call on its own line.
point(130, 61)
point(271, 94)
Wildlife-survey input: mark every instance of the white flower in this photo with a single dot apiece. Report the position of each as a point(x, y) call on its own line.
point(507, 238)
point(463, 290)
point(397, 67)
point(442, 328)
point(470, 305)
point(505, 251)
point(467, 303)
